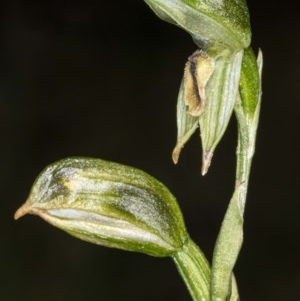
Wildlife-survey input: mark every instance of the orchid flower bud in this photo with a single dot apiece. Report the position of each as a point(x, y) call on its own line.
point(108, 204)
point(220, 24)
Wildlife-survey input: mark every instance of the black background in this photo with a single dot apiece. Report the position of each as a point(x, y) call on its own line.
point(101, 79)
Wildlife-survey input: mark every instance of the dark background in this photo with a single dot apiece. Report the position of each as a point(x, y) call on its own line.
point(101, 79)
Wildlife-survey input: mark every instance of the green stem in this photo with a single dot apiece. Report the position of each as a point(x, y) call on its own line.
point(230, 238)
point(194, 269)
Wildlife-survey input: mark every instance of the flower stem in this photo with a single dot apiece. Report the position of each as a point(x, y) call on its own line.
point(230, 237)
point(194, 269)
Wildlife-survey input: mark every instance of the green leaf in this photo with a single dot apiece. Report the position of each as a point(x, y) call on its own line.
point(250, 83)
point(108, 204)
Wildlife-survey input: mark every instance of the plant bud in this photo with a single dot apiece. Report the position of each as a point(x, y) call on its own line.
point(108, 204)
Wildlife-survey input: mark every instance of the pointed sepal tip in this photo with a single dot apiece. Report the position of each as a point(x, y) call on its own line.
point(206, 160)
point(23, 210)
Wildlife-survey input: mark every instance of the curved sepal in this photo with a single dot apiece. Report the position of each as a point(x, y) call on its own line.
point(186, 123)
